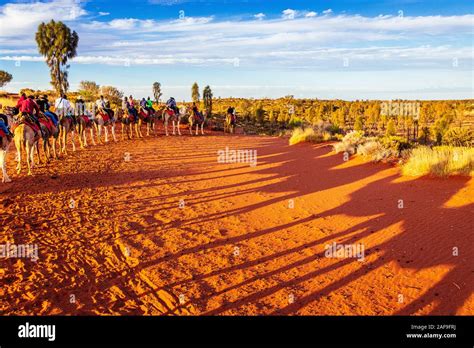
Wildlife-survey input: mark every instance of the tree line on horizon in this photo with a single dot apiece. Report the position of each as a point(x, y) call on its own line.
point(58, 43)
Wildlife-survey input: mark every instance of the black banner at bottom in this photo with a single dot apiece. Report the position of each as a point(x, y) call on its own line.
point(225, 331)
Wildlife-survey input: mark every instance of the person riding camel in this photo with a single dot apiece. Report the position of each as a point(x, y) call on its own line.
point(80, 107)
point(43, 105)
point(171, 104)
point(127, 108)
point(22, 98)
point(231, 112)
point(143, 106)
point(149, 105)
point(4, 126)
point(103, 106)
point(62, 106)
point(30, 110)
point(196, 112)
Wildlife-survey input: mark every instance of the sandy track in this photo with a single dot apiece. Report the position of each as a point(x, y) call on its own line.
point(129, 246)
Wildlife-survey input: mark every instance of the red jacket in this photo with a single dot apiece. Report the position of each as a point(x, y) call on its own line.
point(29, 105)
point(18, 104)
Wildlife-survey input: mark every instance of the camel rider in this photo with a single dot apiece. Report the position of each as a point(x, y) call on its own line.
point(43, 105)
point(149, 105)
point(231, 112)
point(80, 107)
point(100, 105)
point(4, 125)
point(30, 109)
point(196, 112)
point(62, 106)
point(127, 107)
point(171, 104)
point(143, 106)
point(22, 98)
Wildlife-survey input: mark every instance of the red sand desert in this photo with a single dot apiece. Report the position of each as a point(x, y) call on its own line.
point(172, 231)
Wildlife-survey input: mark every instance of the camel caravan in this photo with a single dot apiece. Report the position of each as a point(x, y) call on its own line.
point(32, 121)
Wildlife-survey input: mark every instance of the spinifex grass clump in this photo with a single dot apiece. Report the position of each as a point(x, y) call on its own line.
point(300, 135)
point(440, 161)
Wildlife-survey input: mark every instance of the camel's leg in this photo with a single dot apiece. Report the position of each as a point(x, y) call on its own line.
point(3, 164)
point(64, 142)
point(113, 133)
point(177, 126)
point(166, 125)
point(18, 142)
point(140, 128)
point(37, 146)
point(29, 155)
point(148, 129)
point(81, 137)
point(73, 141)
point(197, 128)
point(106, 130)
point(202, 128)
point(54, 149)
point(191, 128)
point(46, 150)
point(92, 136)
point(123, 126)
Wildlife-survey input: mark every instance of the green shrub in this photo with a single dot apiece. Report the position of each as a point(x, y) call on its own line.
point(350, 142)
point(395, 144)
point(391, 129)
point(459, 136)
point(295, 122)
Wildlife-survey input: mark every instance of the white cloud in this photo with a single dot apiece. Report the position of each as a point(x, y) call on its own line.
point(104, 13)
point(289, 14)
point(260, 16)
point(328, 11)
point(23, 18)
point(311, 14)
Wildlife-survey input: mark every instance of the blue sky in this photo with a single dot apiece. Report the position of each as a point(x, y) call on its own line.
point(256, 48)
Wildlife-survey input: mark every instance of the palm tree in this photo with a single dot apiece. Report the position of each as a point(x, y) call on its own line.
point(57, 44)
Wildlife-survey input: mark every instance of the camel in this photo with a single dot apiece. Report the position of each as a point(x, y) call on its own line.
point(47, 132)
point(193, 120)
point(25, 137)
point(127, 122)
point(169, 114)
point(229, 124)
point(66, 126)
point(83, 123)
point(148, 119)
point(4, 146)
point(104, 120)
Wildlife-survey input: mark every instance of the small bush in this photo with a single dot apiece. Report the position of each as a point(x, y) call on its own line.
point(440, 161)
point(391, 129)
point(300, 135)
point(295, 122)
point(350, 142)
point(459, 136)
point(375, 151)
point(395, 144)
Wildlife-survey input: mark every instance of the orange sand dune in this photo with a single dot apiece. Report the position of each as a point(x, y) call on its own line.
point(172, 231)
